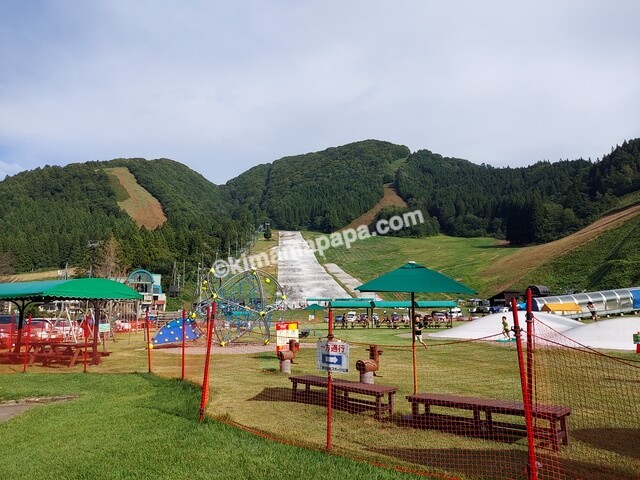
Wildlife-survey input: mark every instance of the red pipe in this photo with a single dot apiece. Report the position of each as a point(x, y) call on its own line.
point(184, 334)
point(532, 470)
point(329, 385)
point(530, 346)
point(204, 399)
point(149, 344)
point(10, 344)
point(84, 355)
point(26, 350)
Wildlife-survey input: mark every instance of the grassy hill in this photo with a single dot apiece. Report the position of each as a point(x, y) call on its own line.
point(603, 255)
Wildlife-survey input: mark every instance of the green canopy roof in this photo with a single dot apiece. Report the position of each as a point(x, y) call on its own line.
point(391, 303)
point(418, 304)
point(436, 303)
point(355, 303)
point(76, 289)
point(413, 277)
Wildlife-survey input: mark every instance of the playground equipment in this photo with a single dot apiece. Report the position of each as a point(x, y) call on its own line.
point(367, 368)
point(245, 305)
point(286, 357)
point(172, 333)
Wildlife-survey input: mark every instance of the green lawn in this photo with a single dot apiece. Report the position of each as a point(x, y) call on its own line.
point(143, 426)
point(126, 423)
point(460, 258)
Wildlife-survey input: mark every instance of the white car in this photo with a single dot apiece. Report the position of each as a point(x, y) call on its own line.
point(351, 317)
point(455, 312)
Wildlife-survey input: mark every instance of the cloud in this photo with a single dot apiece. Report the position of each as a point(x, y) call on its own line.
point(224, 86)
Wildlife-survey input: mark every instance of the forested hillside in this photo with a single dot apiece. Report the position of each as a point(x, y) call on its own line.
point(534, 204)
point(50, 216)
point(322, 191)
point(53, 216)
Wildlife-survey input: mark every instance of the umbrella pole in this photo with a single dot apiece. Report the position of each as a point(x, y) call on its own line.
point(413, 344)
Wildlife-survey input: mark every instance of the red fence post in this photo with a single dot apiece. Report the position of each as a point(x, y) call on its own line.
point(184, 334)
point(204, 399)
point(26, 350)
point(329, 386)
point(149, 344)
point(10, 344)
point(532, 467)
point(84, 355)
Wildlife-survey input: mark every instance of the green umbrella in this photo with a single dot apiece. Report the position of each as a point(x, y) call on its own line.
point(414, 278)
point(314, 306)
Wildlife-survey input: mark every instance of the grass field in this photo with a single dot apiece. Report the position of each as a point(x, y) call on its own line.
point(143, 426)
point(463, 259)
point(139, 426)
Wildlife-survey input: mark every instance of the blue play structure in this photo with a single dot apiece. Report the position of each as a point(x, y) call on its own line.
point(171, 333)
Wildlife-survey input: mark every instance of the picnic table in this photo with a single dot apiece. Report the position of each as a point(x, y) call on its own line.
point(348, 389)
point(554, 415)
point(48, 352)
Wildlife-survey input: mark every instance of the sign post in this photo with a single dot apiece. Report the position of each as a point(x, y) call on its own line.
point(285, 332)
point(332, 356)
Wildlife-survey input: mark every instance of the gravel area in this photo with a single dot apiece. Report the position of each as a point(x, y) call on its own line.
point(231, 349)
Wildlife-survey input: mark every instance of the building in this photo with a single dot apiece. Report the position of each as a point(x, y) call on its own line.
point(149, 286)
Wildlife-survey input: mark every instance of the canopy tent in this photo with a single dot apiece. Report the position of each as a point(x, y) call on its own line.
point(313, 307)
point(436, 304)
point(355, 303)
point(561, 307)
point(391, 303)
point(414, 278)
point(417, 303)
point(96, 290)
point(75, 289)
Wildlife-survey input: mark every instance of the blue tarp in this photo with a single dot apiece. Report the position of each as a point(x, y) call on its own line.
point(635, 294)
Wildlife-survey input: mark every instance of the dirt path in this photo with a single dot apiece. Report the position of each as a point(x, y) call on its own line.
point(141, 206)
point(390, 198)
point(529, 258)
point(11, 408)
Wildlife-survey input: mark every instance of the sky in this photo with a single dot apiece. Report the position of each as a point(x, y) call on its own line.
point(222, 86)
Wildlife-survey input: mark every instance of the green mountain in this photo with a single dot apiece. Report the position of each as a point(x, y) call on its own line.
point(49, 216)
point(321, 191)
point(528, 205)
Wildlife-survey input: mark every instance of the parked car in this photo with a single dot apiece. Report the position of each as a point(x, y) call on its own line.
point(351, 317)
point(481, 309)
point(455, 312)
point(41, 329)
point(498, 309)
point(439, 316)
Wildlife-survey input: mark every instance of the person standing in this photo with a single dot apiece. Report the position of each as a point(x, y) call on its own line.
point(417, 330)
point(593, 311)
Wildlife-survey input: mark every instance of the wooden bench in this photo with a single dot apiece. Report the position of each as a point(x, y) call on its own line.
point(65, 353)
point(555, 415)
point(347, 387)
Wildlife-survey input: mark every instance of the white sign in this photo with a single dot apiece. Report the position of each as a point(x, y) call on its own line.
point(332, 356)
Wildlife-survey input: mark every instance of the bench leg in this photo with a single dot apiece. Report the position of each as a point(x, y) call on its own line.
point(378, 414)
point(564, 431)
point(294, 391)
point(74, 357)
